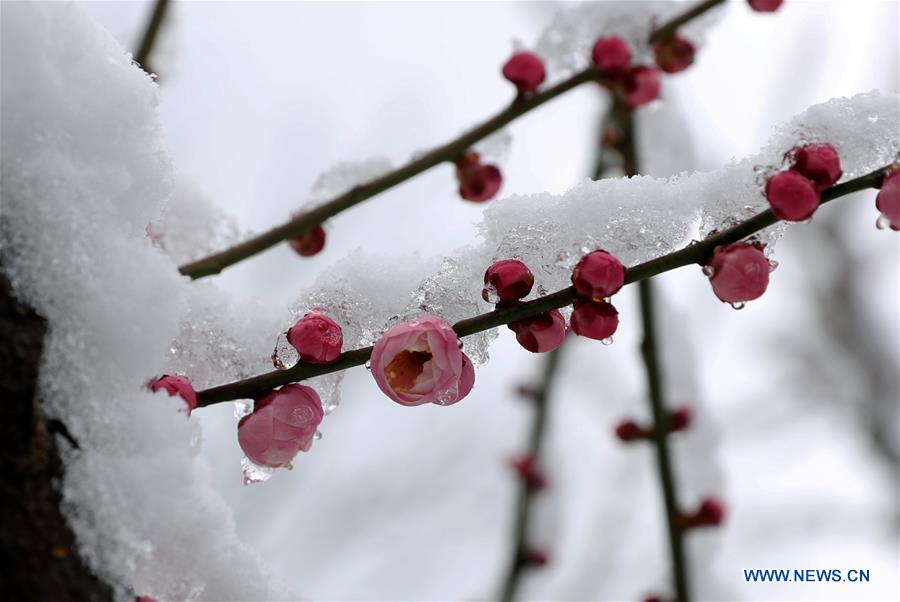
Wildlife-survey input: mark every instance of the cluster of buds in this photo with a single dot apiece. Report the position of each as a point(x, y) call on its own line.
point(634, 85)
point(596, 277)
point(629, 431)
point(793, 194)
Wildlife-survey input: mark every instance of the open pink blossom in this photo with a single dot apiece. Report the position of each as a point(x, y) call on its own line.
point(420, 362)
point(525, 70)
point(283, 423)
point(888, 199)
point(175, 385)
point(317, 338)
point(740, 272)
point(541, 333)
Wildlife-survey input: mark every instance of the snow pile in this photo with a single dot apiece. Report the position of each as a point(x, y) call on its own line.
point(565, 44)
point(83, 173)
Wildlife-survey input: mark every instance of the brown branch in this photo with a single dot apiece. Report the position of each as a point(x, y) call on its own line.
point(524, 499)
point(142, 56)
point(217, 262)
point(695, 253)
point(665, 31)
point(655, 394)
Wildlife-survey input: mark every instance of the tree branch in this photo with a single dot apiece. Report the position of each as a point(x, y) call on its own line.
point(525, 498)
point(217, 262)
point(695, 253)
point(142, 56)
point(672, 26)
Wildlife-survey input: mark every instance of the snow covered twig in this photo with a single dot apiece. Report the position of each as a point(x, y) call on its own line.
point(696, 253)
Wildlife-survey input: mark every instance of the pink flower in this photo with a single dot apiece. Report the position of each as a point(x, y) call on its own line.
point(598, 275)
point(506, 281)
point(740, 272)
point(637, 86)
point(541, 333)
point(420, 362)
point(317, 338)
point(792, 196)
point(673, 54)
point(888, 199)
point(525, 70)
point(175, 385)
point(819, 163)
point(765, 6)
point(610, 55)
point(594, 320)
point(283, 423)
point(478, 182)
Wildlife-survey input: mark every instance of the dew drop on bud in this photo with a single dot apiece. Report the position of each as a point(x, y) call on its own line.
point(254, 473)
point(708, 271)
point(317, 435)
point(369, 365)
point(241, 409)
point(772, 265)
point(882, 222)
point(490, 294)
point(607, 341)
point(284, 356)
point(737, 305)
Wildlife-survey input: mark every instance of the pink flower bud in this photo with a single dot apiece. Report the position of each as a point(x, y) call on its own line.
point(478, 182)
point(740, 273)
point(282, 423)
point(175, 385)
point(317, 338)
point(610, 54)
point(525, 70)
point(765, 6)
point(535, 558)
point(674, 54)
point(819, 163)
point(792, 196)
point(541, 333)
point(526, 467)
point(594, 320)
point(598, 275)
point(888, 199)
point(680, 419)
point(629, 431)
point(711, 513)
point(507, 280)
point(638, 86)
point(420, 362)
point(310, 242)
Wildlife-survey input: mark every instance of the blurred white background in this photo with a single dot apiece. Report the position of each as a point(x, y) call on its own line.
point(796, 395)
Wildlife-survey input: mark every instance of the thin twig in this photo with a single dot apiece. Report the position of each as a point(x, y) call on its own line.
point(696, 253)
point(525, 496)
point(663, 32)
point(656, 396)
point(450, 151)
point(142, 56)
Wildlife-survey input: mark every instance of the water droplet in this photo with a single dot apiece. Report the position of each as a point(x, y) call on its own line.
point(317, 435)
point(739, 305)
point(446, 396)
point(254, 473)
point(241, 409)
point(882, 222)
point(284, 355)
point(489, 294)
point(607, 341)
point(708, 270)
point(369, 365)
point(541, 290)
point(772, 265)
